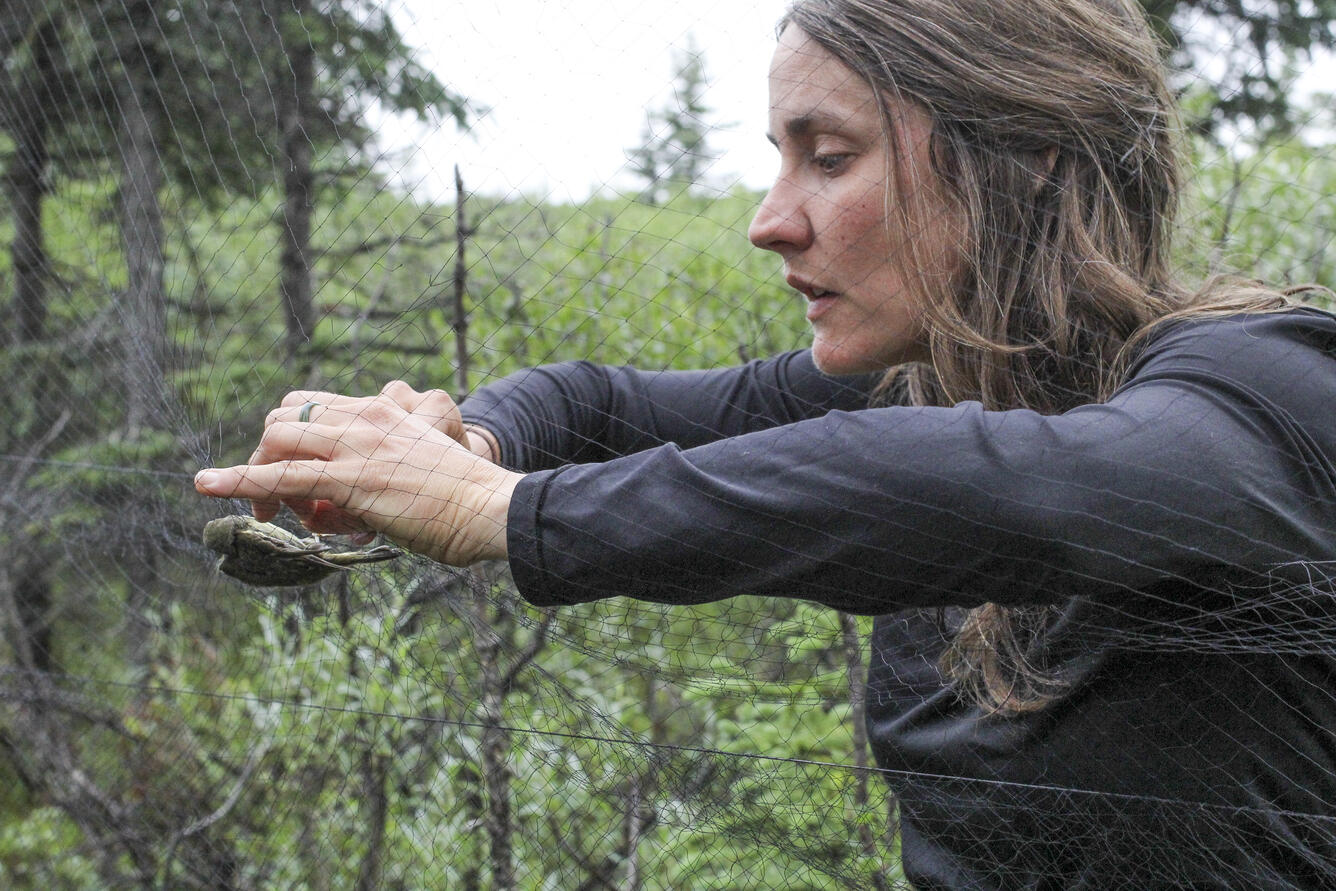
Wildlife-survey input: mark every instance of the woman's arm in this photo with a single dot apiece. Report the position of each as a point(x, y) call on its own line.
point(405, 464)
point(579, 412)
point(1217, 453)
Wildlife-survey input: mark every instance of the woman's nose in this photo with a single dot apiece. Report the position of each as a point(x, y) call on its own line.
point(781, 224)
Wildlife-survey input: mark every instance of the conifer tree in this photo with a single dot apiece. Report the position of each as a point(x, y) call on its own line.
point(675, 154)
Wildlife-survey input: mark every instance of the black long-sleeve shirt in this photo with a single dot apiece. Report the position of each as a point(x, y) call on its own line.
point(1180, 530)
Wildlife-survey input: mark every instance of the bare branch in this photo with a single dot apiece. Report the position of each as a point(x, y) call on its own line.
point(20, 473)
point(531, 650)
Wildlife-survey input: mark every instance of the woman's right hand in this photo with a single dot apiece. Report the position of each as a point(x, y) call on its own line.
point(440, 409)
point(436, 407)
point(370, 464)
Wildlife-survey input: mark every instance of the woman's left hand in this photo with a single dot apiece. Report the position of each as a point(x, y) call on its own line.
point(375, 464)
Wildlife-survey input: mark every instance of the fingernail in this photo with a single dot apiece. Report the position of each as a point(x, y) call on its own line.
point(206, 479)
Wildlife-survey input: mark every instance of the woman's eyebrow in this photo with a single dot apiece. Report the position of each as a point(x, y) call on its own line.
point(804, 124)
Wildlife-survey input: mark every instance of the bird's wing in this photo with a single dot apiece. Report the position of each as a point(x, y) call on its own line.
point(352, 558)
point(282, 542)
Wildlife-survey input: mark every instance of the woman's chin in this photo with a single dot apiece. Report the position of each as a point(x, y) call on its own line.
point(840, 359)
point(846, 358)
point(837, 364)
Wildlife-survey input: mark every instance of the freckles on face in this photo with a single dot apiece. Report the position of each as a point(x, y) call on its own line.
point(838, 217)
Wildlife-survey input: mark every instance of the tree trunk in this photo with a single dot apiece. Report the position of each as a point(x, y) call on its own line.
point(145, 307)
point(374, 769)
point(32, 602)
point(632, 833)
point(141, 230)
point(295, 101)
point(853, 663)
point(458, 312)
point(494, 634)
point(495, 746)
point(27, 188)
point(469, 783)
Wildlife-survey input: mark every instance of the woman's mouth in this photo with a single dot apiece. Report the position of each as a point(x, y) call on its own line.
point(819, 299)
point(818, 302)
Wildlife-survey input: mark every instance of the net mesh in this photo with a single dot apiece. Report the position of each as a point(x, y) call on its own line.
point(212, 204)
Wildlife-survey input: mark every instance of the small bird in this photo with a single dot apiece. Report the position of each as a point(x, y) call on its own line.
point(269, 556)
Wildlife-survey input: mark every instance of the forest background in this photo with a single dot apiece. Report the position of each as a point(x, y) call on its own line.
point(196, 223)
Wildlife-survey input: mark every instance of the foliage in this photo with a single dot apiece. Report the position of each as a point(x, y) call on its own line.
point(366, 732)
point(323, 699)
point(1263, 211)
point(1255, 42)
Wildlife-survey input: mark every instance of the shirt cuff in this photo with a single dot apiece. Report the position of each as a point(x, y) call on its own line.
point(524, 544)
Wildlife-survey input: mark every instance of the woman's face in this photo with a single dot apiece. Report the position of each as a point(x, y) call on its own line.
point(861, 268)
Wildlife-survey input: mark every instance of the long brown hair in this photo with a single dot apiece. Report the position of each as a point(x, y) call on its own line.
point(1054, 141)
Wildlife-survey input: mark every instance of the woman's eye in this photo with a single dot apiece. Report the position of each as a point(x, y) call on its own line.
point(831, 163)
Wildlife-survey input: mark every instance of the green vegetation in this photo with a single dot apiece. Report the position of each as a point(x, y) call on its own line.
point(410, 726)
point(364, 726)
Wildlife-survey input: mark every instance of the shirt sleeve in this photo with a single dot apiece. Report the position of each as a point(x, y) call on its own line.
point(581, 412)
point(1218, 451)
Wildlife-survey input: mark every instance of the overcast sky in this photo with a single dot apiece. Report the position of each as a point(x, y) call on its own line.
point(568, 83)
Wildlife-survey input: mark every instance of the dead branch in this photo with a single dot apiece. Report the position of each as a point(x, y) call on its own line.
point(531, 650)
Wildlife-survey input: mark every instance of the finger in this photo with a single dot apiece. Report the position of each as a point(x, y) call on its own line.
point(482, 442)
point(403, 394)
point(301, 397)
point(430, 403)
point(437, 406)
point(324, 518)
point(441, 408)
point(332, 520)
point(292, 414)
point(268, 483)
point(288, 441)
point(292, 408)
point(318, 412)
point(300, 506)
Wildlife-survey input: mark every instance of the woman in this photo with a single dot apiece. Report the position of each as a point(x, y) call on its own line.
point(1089, 507)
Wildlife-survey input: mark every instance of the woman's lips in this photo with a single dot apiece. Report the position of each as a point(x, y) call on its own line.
point(817, 306)
point(819, 299)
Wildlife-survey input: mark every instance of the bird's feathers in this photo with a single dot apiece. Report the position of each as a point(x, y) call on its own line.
point(266, 555)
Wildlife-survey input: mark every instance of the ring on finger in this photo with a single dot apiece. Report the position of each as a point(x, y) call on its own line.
point(305, 414)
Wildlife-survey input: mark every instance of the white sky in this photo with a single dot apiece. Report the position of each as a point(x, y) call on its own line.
point(568, 84)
